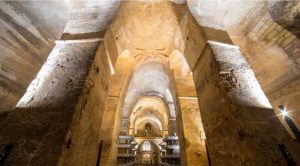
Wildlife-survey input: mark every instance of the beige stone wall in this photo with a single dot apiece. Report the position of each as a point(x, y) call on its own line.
point(37, 135)
point(193, 134)
point(60, 80)
point(107, 131)
point(236, 135)
point(111, 119)
point(284, 89)
point(38, 128)
point(27, 37)
point(286, 13)
point(87, 118)
point(269, 33)
point(273, 53)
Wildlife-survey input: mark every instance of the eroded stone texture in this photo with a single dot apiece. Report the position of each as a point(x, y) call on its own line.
point(27, 36)
point(245, 89)
point(287, 14)
point(194, 136)
point(40, 125)
point(61, 78)
point(37, 135)
point(29, 29)
point(89, 19)
point(87, 118)
point(265, 33)
point(108, 154)
point(269, 33)
point(154, 60)
point(110, 126)
point(220, 114)
point(231, 14)
point(273, 54)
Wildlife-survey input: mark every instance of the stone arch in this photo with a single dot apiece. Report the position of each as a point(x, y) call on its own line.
point(179, 64)
point(148, 106)
point(153, 142)
point(148, 78)
point(154, 150)
point(155, 123)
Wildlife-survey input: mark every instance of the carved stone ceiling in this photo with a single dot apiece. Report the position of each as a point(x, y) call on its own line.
point(29, 29)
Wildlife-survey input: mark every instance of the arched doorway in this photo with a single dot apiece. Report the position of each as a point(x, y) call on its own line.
point(148, 129)
point(147, 153)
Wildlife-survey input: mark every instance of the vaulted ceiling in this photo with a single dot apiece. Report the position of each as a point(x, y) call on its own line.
point(29, 30)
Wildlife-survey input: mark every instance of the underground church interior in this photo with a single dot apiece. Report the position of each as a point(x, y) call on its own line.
point(150, 82)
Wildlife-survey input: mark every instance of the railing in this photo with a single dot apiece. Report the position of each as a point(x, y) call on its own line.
point(126, 155)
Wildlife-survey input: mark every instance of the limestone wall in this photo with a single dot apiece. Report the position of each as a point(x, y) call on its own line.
point(286, 13)
point(87, 118)
point(110, 127)
point(38, 127)
point(273, 53)
point(269, 33)
point(60, 80)
point(239, 130)
point(27, 36)
point(69, 109)
point(236, 135)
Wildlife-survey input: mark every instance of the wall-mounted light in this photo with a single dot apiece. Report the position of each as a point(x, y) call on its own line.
point(289, 121)
point(282, 109)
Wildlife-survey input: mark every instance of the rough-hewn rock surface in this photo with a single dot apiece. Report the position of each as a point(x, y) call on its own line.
point(27, 37)
point(37, 135)
point(38, 128)
point(28, 33)
point(178, 66)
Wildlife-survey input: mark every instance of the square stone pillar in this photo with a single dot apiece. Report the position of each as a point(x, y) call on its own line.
point(194, 137)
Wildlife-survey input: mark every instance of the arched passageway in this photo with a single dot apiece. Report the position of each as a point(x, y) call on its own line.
point(147, 153)
point(187, 69)
point(161, 91)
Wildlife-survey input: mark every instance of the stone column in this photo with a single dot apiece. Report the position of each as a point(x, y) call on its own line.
point(39, 125)
point(86, 123)
point(110, 127)
point(189, 120)
point(62, 77)
point(240, 127)
point(107, 133)
point(273, 50)
point(194, 137)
